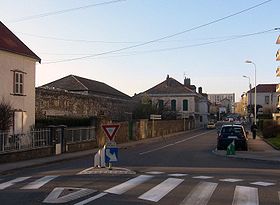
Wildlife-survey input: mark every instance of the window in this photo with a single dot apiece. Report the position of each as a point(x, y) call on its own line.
point(185, 105)
point(266, 99)
point(160, 104)
point(18, 83)
point(173, 105)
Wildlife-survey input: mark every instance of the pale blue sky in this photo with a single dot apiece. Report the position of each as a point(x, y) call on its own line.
point(216, 67)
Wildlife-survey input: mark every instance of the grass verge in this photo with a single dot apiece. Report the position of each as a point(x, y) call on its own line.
point(275, 141)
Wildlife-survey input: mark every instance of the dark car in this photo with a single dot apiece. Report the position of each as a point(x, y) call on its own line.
point(230, 133)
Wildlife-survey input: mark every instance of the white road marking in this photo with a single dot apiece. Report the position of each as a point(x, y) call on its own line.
point(177, 175)
point(154, 172)
point(263, 183)
point(39, 183)
point(85, 171)
point(12, 182)
point(124, 187)
point(245, 196)
point(231, 180)
point(91, 199)
point(55, 198)
point(202, 177)
point(165, 146)
point(159, 191)
point(201, 194)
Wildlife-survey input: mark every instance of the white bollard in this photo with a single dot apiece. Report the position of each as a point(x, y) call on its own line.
point(97, 159)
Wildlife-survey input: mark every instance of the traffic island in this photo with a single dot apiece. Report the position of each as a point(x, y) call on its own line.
point(105, 170)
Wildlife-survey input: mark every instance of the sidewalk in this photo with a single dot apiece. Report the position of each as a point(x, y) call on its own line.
point(258, 150)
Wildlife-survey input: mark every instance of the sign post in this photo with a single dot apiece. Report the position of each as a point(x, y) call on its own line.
point(111, 150)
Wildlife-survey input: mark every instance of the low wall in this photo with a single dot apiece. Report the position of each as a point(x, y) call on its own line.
point(26, 154)
point(81, 146)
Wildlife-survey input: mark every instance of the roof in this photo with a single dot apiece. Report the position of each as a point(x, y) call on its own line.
point(11, 43)
point(79, 84)
point(170, 86)
point(265, 88)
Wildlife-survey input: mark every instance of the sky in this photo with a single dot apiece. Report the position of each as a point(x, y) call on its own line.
point(132, 45)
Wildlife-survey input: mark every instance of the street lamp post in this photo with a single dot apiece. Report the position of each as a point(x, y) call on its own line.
point(255, 107)
point(250, 98)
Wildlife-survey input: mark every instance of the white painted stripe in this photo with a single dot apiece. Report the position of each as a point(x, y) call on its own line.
point(263, 183)
point(55, 196)
point(155, 172)
point(202, 177)
point(84, 171)
point(201, 194)
point(177, 175)
point(124, 187)
point(245, 196)
point(39, 183)
point(12, 182)
point(91, 199)
point(159, 191)
point(165, 146)
point(231, 180)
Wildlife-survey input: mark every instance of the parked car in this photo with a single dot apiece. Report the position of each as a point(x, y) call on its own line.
point(230, 133)
point(211, 125)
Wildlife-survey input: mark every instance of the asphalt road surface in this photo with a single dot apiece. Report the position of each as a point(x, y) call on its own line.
point(179, 170)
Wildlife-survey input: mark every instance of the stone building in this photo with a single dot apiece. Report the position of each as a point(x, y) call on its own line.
point(74, 96)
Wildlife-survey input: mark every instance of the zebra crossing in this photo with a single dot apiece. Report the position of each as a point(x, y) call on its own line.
point(32, 185)
point(200, 194)
point(201, 190)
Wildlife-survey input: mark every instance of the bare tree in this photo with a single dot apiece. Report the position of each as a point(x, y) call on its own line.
point(6, 115)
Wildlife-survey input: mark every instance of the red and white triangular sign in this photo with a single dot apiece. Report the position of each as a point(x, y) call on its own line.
point(111, 130)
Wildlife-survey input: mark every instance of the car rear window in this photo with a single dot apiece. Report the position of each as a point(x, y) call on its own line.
point(232, 131)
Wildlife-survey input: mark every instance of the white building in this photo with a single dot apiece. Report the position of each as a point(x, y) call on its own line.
point(267, 97)
point(17, 79)
point(181, 98)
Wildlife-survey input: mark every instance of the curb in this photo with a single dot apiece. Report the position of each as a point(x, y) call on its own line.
point(269, 143)
point(244, 158)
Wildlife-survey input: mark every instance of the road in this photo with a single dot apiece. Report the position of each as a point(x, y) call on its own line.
point(177, 170)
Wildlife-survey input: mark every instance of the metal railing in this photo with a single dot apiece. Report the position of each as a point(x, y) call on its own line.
point(17, 142)
point(79, 134)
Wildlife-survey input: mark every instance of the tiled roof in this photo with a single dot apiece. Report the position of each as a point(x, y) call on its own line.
point(76, 83)
point(169, 86)
point(265, 88)
point(11, 43)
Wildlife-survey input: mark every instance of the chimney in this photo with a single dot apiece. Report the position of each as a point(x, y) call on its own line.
point(187, 81)
point(167, 81)
point(200, 90)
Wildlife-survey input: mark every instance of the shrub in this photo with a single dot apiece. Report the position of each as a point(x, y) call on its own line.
point(6, 115)
point(270, 128)
point(68, 121)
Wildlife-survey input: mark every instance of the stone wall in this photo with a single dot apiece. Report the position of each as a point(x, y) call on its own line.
point(53, 103)
point(128, 131)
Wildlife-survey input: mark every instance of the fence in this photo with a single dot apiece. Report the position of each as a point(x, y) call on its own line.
point(42, 138)
point(17, 142)
point(79, 134)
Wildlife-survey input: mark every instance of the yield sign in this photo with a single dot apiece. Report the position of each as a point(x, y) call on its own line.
point(110, 130)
